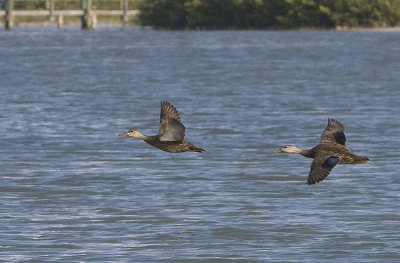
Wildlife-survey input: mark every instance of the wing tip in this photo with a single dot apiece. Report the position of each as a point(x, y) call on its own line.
point(334, 122)
point(167, 109)
point(310, 181)
point(166, 103)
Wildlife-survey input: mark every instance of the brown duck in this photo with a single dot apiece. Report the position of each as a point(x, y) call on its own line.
point(330, 152)
point(171, 134)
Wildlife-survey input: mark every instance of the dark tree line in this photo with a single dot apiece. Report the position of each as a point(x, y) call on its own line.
point(274, 14)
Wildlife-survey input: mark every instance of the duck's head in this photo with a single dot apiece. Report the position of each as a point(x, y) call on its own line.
point(288, 149)
point(132, 133)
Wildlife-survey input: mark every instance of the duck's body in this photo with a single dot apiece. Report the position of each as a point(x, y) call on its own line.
point(330, 152)
point(173, 146)
point(334, 149)
point(171, 134)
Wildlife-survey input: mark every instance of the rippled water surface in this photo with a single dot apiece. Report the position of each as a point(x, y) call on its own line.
point(71, 190)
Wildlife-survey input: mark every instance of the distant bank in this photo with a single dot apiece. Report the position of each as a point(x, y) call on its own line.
point(208, 14)
point(269, 14)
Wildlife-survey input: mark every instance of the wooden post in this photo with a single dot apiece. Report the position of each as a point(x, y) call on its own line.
point(94, 20)
point(51, 11)
point(9, 18)
point(87, 18)
point(125, 14)
point(60, 20)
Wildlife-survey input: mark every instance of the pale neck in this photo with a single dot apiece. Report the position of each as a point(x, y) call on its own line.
point(140, 136)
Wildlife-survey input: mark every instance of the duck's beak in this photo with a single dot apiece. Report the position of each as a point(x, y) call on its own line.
point(124, 134)
point(278, 151)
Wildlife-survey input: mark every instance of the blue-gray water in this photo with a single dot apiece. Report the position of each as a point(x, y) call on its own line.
point(71, 190)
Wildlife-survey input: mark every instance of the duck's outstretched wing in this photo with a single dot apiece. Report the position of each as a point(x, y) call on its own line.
point(321, 167)
point(168, 111)
point(334, 132)
point(173, 131)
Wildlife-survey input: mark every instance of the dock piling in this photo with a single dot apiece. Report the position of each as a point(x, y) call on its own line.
point(87, 18)
point(9, 17)
point(125, 13)
point(51, 11)
point(60, 21)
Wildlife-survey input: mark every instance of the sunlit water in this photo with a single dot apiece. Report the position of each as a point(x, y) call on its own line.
point(71, 190)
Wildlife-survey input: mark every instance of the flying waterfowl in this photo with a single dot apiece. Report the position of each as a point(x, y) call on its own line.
point(171, 134)
point(330, 152)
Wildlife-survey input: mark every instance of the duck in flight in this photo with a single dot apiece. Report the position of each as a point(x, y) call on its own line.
point(330, 152)
point(171, 134)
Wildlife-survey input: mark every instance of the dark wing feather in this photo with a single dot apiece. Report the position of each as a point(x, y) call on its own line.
point(321, 167)
point(168, 111)
point(334, 132)
point(174, 131)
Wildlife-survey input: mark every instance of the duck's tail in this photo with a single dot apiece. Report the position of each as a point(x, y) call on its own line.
point(197, 149)
point(193, 148)
point(361, 160)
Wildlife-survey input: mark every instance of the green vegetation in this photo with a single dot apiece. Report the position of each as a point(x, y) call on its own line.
point(240, 14)
point(163, 13)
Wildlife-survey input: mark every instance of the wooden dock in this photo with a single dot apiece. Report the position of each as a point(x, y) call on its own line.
point(87, 14)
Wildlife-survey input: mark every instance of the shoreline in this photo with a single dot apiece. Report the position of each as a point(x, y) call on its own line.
point(110, 24)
